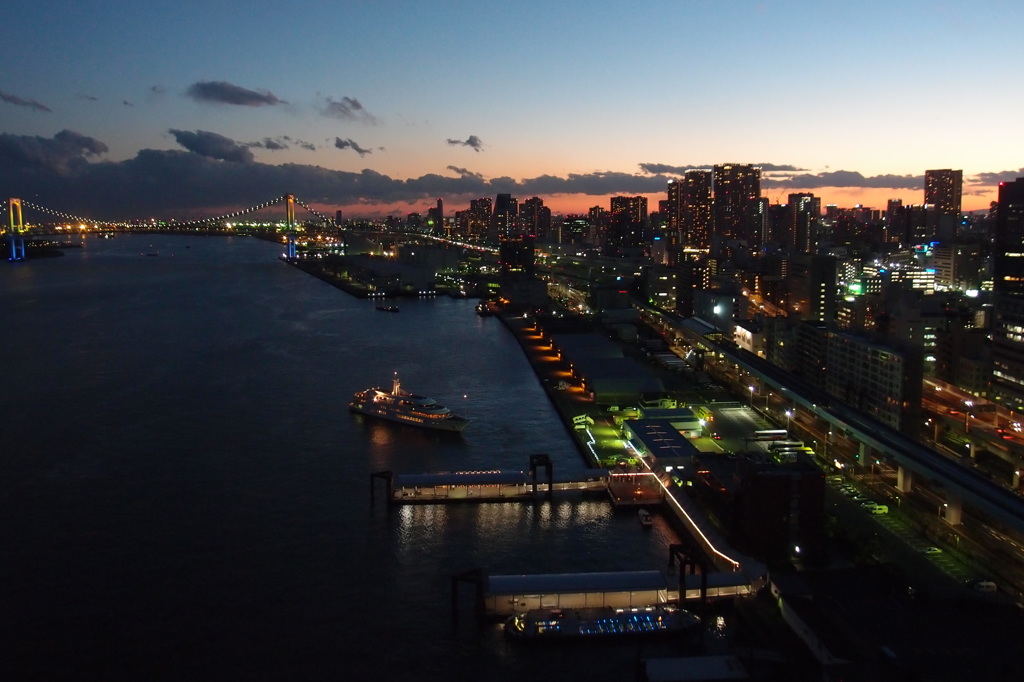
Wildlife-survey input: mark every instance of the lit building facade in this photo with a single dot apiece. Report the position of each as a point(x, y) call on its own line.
point(690, 208)
point(874, 378)
point(478, 218)
point(943, 189)
point(736, 191)
point(535, 219)
point(505, 218)
point(804, 215)
point(1008, 297)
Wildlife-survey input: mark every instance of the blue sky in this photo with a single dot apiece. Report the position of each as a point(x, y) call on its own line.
point(379, 106)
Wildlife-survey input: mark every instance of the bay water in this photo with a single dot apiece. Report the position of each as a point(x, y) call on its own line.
point(185, 494)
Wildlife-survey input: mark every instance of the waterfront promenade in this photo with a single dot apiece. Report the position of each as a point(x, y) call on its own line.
point(598, 438)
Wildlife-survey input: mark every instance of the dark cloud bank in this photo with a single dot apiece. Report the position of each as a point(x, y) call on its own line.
point(473, 142)
point(21, 102)
point(220, 92)
point(64, 173)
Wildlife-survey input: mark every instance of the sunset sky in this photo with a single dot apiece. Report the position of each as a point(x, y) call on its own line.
point(124, 110)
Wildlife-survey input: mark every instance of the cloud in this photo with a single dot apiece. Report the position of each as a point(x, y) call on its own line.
point(280, 143)
point(472, 141)
point(66, 173)
point(465, 172)
point(270, 143)
point(351, 144)
point(221, 92)
point(777, 168)
point(843, 178)
point(666, 169)
point(347, 109)
point(990, 178)
point(60, 156)
point(30, 103)
point(157, 89)
point(596, 184)
point(212, 145)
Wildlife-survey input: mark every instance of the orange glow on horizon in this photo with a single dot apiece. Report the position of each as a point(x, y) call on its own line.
point(843, 197)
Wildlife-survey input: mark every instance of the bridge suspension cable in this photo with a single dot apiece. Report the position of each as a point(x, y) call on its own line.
point(68, 216)
point(203, 221)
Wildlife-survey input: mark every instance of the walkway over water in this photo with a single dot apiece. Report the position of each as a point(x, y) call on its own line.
point(486, 486)
point(505, 595)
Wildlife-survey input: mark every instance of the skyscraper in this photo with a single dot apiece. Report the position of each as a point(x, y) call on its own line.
point(435, 217)
point(737, 189)
point(804, 213)
point(1008, 290)
point(634, 207)
point(504, 220)
point(895, 222)
point(535, 218)
point(689, 208)
point(628, 232)
point(943, 189)
point(942, 193)
point(479, 217)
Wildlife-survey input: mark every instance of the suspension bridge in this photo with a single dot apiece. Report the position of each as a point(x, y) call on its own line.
point(56, 223)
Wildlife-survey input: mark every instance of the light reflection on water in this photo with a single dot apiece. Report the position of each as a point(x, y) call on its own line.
point(205, 489)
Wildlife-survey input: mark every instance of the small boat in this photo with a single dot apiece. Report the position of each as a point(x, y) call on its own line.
point(387, 308)
point(646, 518)
point(599, 622)
point(483, 310)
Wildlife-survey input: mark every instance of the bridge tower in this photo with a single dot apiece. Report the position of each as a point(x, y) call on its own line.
point(16, 230)
point(289, 200)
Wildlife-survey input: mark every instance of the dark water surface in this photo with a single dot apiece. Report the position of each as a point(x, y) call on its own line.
point(186, 496)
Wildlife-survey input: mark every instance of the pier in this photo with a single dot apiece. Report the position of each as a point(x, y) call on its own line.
point(622, 488)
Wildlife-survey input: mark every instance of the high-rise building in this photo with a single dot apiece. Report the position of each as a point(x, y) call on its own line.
point(1008, 296)
point(813, 287)
point(689, 209)
point(435, 217)
point(634, 207)
point(504, 220)
point(804, 213)
point(943, 189)
point(535, 218)
point(737, 189)
point(942, 194)
point(479, 218)
point(673, 208)
point(895, 221)
point(575, 229)
point(628, 232)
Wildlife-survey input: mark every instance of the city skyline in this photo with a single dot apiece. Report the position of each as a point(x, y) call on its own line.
point(378, 109)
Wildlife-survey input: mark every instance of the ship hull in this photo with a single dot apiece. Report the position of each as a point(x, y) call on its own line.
point(452, 423)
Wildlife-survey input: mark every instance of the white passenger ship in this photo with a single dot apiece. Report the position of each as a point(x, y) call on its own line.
point(406, 408)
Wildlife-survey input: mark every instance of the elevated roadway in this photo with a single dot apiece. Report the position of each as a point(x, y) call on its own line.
point(960, 483)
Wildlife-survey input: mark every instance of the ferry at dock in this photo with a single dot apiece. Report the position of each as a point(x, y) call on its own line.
point(599, 622)
point(403, 407)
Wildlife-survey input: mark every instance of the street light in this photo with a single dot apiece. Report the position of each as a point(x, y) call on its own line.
point(967, 415)
point(789, 415)
point(751, 395)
